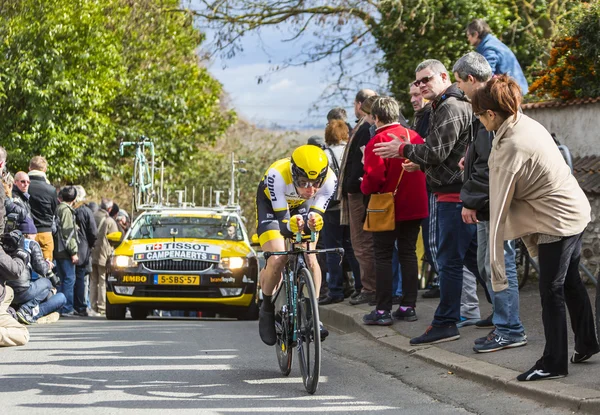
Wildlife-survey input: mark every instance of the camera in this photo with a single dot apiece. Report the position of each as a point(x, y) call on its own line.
point(12, 241)
point(53, 278)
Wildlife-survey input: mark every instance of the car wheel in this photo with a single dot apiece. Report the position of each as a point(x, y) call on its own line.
point(114, 312)
point(138, 313)
point(251, 313)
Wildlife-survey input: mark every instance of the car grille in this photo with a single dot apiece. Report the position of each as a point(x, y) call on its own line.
point(182, 265)
point(177, 291)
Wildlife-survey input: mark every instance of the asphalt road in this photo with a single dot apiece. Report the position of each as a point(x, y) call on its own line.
point(158, 366)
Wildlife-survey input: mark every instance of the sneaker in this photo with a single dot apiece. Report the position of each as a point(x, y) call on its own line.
point(378, 318)
point(486, 323)
point(323, 330)
point(266, 327)
point(537, 373)
point(68, 314)
point(408, 314)
point(581, 357)
point(330, 300)
point(82, 313)
point(363, 298)
point(498, 342)
point(433, 292)
point(490, 336)
point(464, 322)
point(435, 334)
point(50, 318)
point(24, 316)
point(355, 294)
point(92, 313)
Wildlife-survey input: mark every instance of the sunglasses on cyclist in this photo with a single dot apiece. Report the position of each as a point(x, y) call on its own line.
point(424, 80)
point(305, 183)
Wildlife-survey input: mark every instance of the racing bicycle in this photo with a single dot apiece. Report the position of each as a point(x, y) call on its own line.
point(142, 180)
point(297, 312)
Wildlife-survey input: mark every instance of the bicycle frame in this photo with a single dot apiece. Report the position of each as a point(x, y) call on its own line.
point(297, 261)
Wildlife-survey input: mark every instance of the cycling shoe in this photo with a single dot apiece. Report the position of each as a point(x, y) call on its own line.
point(266, 327)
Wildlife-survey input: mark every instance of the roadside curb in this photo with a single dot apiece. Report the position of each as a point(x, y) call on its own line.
point(555, 393)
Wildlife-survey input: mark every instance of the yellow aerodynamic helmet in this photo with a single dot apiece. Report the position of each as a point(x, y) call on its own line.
point(309, 166)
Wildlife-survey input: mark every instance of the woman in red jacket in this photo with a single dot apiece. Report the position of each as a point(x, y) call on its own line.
point(381, 176)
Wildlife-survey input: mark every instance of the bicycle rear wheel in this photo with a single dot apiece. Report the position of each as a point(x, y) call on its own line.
point(309, 335)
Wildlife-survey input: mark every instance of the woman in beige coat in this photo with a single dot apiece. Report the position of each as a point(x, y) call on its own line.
point(534, 196)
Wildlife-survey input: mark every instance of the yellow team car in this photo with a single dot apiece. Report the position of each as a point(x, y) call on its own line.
point(183, 259)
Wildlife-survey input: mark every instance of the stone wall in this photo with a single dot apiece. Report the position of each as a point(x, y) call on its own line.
point(576, 125)
point(590, 253)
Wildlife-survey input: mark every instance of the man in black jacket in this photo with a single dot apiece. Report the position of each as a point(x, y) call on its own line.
point(449, 132)
point(472, 72)
point(352, 208)
point(88, 233)
point(43, 202)
point(17, 207)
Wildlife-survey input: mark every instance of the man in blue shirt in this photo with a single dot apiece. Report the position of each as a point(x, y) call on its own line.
point(499, 56)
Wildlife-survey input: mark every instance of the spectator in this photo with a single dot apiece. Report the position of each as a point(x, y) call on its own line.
point(318, 141)
point(420, 124)
point(35, 299)
point(338, 113)
point(410, 202)
point(66, 247)
point(352, 203)
point(6, 184)
point(336, 235)
point(472, 72)
point(100, 255)
point(43, 202)
point(501, 59)
point(12, 333)
point(87, 234)
point(18, 210)
point(534, 196)
point(449, 131)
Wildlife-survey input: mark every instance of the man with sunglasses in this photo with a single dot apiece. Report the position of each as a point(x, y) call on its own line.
point(292, 197)
point(449, 132)
point(18, 209)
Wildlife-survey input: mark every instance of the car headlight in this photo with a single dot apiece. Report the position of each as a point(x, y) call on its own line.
point(234, 262)
point(123, 261)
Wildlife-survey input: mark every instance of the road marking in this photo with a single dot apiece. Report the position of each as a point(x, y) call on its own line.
point(322, 379)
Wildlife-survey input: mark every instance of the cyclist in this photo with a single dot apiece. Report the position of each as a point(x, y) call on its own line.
point(292, 196)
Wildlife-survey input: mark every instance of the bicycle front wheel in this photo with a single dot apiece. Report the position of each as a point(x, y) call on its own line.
point(309, 335)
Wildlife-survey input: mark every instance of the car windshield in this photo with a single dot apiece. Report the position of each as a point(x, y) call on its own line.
point(164, 227)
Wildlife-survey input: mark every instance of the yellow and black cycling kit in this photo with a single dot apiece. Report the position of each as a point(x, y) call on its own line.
point(277, 200)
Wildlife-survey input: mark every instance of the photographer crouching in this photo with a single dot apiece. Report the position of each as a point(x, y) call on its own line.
point(11, 332)
point(37, 301)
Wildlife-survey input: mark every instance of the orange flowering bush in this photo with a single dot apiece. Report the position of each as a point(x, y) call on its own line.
point(573, 67)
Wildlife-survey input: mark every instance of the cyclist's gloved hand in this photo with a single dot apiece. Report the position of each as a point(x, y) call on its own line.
point(315, 222)
point(296, 224)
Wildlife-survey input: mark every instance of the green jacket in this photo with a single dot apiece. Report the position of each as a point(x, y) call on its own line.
point(68, 224)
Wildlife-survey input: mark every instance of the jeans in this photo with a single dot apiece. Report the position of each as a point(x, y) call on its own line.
point(66, 272)
point(397, 273)
point(40, 294)
point(405, 235)
point(79, 301)
point(560, 282)
point(362, 242)
point(457, 246)
point(505, 303)
point(336, 236)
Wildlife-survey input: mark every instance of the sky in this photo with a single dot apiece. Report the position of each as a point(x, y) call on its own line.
point(284, 98)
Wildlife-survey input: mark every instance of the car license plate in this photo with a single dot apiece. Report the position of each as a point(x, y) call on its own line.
point(177, 279)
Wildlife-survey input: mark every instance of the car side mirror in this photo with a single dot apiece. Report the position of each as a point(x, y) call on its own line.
point(114, 238)
point(254, 240)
